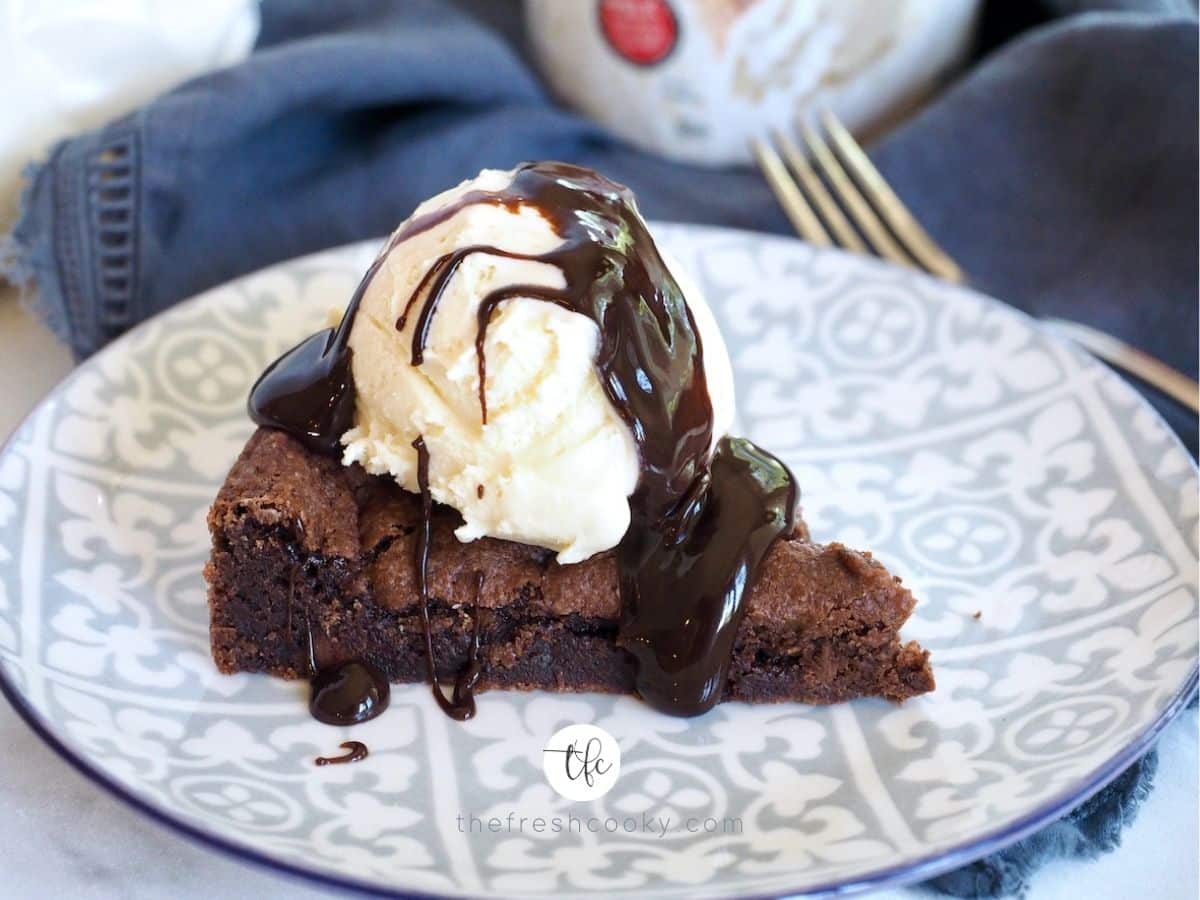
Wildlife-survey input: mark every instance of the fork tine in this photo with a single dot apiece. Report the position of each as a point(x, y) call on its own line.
point(917, 241)
point(830, 213)
point(856, 205)
point(794, 205)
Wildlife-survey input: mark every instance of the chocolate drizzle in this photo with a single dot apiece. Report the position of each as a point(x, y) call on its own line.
point(460, 704)
point(683, 585)
point(348, 693)
point(342, 693)
point(700, 521)
point(309, 391)
point(650, 361)
point(356, 751)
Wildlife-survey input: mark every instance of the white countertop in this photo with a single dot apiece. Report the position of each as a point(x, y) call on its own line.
point(62, 836)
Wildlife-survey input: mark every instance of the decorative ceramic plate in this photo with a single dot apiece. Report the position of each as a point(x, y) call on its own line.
point(1043, 514)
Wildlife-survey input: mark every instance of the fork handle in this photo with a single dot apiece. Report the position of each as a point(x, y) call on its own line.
point(1150, 370)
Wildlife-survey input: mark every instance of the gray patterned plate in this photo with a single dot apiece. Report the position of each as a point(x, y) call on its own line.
point(1044, 515)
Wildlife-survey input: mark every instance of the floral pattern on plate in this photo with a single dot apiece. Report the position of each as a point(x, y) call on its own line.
point(1044, 515)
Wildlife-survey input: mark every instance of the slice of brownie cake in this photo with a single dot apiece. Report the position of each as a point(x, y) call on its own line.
point(313, 563)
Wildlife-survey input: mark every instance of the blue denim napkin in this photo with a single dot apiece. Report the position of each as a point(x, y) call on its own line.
point(1061, 173)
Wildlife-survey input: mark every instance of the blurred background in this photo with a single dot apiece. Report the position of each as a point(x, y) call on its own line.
point(151, 149)
point(690, 79)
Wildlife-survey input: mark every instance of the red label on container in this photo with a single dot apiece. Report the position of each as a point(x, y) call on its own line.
point(642, 31)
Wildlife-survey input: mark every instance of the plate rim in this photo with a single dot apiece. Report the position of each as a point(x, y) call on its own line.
point(909, 872)
point(921, 869)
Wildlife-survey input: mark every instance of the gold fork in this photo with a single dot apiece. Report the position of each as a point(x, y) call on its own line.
point(868, 218)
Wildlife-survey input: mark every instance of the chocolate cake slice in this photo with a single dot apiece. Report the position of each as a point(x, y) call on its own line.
point(314, 563)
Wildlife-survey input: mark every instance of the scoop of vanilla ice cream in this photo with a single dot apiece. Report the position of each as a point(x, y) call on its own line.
point(555, 463)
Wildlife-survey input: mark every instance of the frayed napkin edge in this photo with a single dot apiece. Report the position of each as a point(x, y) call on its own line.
point(27, 253)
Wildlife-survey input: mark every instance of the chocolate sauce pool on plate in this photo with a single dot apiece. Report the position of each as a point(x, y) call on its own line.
point(700, 523)
point(348, 693)
point(341, 692)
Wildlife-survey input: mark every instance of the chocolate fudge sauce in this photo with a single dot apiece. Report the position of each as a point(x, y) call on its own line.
point(460, 704)
point(348, 693)
point(341, 692)
point(355, 751)
point(700, 523)
point(309, 391)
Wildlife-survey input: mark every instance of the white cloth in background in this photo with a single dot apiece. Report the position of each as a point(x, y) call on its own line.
point(70, 65)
